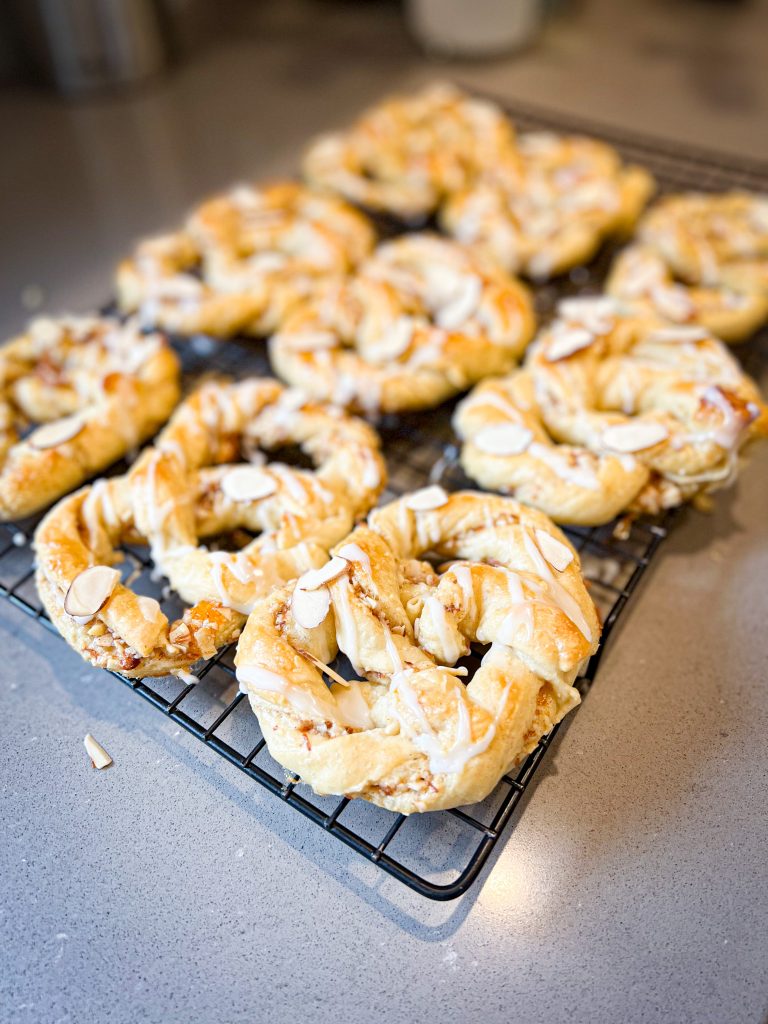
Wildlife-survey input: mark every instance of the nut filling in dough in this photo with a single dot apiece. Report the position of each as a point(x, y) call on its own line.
point(242, 260)
point(409, 734)
point(421, 321)
point(612, 412)
point(185, 488)
point(93, 388)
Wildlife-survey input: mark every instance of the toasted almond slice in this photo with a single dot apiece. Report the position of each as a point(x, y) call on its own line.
point(247, 483)
point(149, 608)
point(556, 553)
point(585, 309)
point(354, 553)
point(426, 499)
point(673, 335)
point(59, 432)
point(98, 755)
point(462, 304)
point(310, 607)
point(633, 437)
point(313, 579)
point(565, 341)
point(327, 669)
point(394, 340)
point(504, 439)
point(672, 301)
point(309, 341)
point(90, 590)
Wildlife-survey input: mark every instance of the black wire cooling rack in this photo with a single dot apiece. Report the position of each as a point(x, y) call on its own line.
point(440, 854)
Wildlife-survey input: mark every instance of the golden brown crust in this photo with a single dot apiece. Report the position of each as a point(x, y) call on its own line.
point(552, 211)
point(101, 386)
point(422, 320)
point(413, 737)
point(408, 152)
point(242, 259)
point(613, 412)
point(185, 488)
point(700, 259)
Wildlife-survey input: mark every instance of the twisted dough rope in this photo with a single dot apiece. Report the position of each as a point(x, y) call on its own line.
point(553, 211)
point(702, 260)
point(99, 388)
point(242, 260)
point(422, 320)
point(611, 412)
point(186, 488)
point(413, 737)
point(405, 154)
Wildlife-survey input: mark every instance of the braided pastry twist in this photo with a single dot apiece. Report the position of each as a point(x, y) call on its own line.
point(242, 260)
point(702, 260)
point(99, 388)
point(186, 488)
point(554, 209)
point(405, 154)
point(412, 737)
point(422, 320)
point(612, 412)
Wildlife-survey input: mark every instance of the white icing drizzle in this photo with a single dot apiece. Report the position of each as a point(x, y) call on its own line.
point(346, 630)
point(354, 553)
point(353, 706)
point(451, 647)
point(301, 700)
point(581, 475)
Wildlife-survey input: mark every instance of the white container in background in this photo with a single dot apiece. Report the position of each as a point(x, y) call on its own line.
point(474, 28)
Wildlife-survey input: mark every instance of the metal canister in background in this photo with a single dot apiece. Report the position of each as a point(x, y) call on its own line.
point(81, 46)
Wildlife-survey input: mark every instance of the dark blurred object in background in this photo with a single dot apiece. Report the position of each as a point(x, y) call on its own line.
point(79, 46)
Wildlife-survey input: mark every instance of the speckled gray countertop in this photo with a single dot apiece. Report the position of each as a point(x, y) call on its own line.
point(170, 888)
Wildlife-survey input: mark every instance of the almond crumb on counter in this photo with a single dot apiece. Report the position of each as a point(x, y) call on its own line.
point(98, 755)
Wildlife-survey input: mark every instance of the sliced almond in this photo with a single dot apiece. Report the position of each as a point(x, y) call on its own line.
point(564, 341)
point(674, 335)
point(59, 432)
point(313, 579)
point(394, 340)
point(90, 590)
point(595, 312)
point(179, 633)
point(504, 439)
point(98, 755)
point(633, 437)
point(309, 341)
point(149, 608)
point(462, 305)
point(310, 607)
point(556, 553)
point(248, 483)
point(672, 301)
point(426, 499)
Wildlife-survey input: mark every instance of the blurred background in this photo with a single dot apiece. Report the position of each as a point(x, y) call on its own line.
point(117, 115)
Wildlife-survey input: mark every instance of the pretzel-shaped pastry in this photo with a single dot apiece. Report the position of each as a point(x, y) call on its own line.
point(423, 320)
point(242, 260)
point(99, 388)
point(405, 154)
point(641, 279)
point(413, 737)
point(612, 412)
point(186, 488)
point(569, 194)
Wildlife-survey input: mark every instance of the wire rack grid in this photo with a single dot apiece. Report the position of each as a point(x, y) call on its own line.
point(438, 855)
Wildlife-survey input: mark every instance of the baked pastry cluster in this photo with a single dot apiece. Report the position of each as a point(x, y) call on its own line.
point(242, 260)
point(421, 321)
point(412, 736)
point(613, 412)
point(91, 389)
point(626, 403)
point(187, 487)
point(700, 260)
